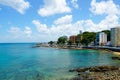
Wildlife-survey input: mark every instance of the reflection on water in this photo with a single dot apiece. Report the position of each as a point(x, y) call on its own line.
point(21, 62)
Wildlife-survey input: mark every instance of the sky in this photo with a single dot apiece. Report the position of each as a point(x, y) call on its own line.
point(46, 20)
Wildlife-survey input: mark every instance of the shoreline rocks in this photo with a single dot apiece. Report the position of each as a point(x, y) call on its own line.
point(95, 69)
point(97, 73)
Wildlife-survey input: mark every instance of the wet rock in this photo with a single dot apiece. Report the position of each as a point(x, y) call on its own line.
point(36, 46)
point(82, 69)
point(115, 58)
point(95, 69)
point(98, 73)
point(103, 68)
point(72, 70)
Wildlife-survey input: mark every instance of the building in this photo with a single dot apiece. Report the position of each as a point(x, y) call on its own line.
point(101, 38)
point(73, 39)
point(115, 36)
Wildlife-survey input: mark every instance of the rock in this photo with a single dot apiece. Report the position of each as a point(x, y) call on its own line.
point(103, 68)
point(72, 70)
point(115, 58)
point(98, 73)
point(82, 69)
point(36, 46)
point(79, 74)
point(95, 69)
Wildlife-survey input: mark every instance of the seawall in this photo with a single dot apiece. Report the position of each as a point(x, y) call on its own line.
point(116, 49)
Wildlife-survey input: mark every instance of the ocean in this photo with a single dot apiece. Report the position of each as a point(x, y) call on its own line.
point(19, 61)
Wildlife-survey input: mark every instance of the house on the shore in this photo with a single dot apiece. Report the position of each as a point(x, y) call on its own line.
point(73, 39)
point(101, 39)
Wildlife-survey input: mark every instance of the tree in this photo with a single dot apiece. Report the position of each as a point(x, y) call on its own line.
point(62, 40)
point(88, 37)
point(51, 42)
point(108, 34)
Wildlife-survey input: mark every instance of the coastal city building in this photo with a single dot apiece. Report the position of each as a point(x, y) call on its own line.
point(101, 38)
point(73, 39)
point(115, 36)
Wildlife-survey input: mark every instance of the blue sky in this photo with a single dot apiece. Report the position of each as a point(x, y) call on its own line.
point(45, 20)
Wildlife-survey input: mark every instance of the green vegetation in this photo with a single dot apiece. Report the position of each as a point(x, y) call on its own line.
point(88, 37)
point(85, 38)
point(62, 40)
point(51, 42)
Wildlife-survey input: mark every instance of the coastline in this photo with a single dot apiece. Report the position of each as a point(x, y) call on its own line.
point(116, 50)
point(110, 49)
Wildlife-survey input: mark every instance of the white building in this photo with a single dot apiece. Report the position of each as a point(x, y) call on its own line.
point(115, 36)
point(101, 38)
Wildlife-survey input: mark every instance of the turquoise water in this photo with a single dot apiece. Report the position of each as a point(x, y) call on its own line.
point(22, 62)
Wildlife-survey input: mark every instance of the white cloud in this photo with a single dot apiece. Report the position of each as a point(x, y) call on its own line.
point(28, 31)
point(15, 31)
point(19, 5)
point(40, 27)
point(109, 22)
point(110, 9)
point(52, 7)
point(74, 3)
point(65, 26)
point(58, 28)
point(104, 7)
point(64, 20)
point(17, 34)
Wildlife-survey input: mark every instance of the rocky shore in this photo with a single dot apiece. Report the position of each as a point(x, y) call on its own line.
point(97, 73)
point(114, 49)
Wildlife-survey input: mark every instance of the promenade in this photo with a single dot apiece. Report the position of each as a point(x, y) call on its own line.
point(116, 49)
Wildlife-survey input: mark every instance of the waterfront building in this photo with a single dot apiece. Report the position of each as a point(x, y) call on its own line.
point(73, 39)
point(101, 39)
point(115, 36)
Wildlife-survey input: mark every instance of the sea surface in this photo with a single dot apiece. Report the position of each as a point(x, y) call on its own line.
point(19, 61)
